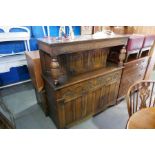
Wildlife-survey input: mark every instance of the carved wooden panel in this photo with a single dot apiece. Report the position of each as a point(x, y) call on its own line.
point(106, 96)
point(73, 103)
point(81, 62)
point(78, 109)
point(73, 92)
point(89, 97)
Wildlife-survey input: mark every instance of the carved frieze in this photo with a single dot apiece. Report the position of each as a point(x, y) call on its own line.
point(90, 85)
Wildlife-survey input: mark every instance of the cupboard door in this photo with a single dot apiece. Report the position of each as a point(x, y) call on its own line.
point(76, 109)
point(106, 96)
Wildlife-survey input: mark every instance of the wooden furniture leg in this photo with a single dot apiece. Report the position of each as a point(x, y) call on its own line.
point(122, 56)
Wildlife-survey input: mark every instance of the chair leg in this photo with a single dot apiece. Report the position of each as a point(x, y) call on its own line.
point(140, 54)
point(127, 56)
point(126, 127)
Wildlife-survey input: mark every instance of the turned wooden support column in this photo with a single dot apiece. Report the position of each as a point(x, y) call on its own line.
point(55, 70)
point(122, 56)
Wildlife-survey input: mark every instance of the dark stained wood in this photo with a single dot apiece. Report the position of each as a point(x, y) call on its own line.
point(84, 77)
point(42, 100)
point(133, 71)
point(122, 56)
point(73, 102)
point(143, 119)
point(63, 59)
point(107, 94)
point(79, 81)
point(82, 62)
point(80, 43)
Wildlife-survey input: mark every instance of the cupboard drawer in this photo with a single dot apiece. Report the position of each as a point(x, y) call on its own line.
point(133, 67)
point(80, 89)
point(141, 61)
point(132, 72)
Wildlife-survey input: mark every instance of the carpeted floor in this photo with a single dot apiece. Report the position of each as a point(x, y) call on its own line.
point(22, 102)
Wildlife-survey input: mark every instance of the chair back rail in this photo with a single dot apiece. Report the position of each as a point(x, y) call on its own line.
point(140, 95)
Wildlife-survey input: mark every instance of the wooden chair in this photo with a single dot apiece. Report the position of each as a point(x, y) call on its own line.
point(140, 95)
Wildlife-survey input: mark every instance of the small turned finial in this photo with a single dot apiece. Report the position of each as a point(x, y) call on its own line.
point(122, 56)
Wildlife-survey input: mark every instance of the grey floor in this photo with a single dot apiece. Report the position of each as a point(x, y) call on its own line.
point(22, 103)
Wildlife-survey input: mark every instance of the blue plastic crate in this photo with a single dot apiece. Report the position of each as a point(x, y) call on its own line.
point(16, 74)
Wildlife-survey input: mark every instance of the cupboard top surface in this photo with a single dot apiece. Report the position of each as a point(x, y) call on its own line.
point(80, 38)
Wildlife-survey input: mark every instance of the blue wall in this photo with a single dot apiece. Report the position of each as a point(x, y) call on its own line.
point(21, 73)
point(36, 32)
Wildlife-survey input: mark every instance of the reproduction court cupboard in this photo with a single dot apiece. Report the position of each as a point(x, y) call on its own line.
point(79, 81)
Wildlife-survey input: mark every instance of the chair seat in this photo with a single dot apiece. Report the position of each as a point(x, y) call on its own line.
point(148, 41)
point(135, 42)
point(14, 36)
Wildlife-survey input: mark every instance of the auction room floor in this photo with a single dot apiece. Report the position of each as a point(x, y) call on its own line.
point(22, 103)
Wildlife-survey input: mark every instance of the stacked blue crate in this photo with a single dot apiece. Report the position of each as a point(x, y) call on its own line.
point(17, 74)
